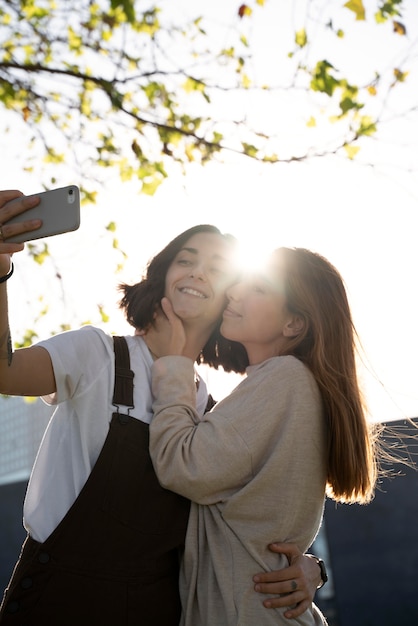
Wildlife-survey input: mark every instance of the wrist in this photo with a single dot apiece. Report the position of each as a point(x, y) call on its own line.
point(5, 277)
point(322, 570)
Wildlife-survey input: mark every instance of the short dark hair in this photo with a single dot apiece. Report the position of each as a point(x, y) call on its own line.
point(141, 300)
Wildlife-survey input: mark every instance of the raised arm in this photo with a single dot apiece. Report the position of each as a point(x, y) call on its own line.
point(26, 372)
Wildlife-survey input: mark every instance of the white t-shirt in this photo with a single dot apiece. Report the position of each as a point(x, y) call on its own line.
point(83, 362)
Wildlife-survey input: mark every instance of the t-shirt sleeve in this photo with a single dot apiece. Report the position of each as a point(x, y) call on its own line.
point(77, 357)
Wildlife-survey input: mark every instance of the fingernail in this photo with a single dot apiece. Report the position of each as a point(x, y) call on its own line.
point(256, 579)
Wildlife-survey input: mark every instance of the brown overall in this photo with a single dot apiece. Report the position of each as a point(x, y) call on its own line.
point(114, 558)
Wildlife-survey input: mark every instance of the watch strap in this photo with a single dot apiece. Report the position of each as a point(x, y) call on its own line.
point(323, 569)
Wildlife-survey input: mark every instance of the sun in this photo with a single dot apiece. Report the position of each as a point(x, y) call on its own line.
point(251, 256)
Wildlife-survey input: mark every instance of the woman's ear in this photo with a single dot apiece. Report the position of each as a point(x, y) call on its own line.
point(294, 326)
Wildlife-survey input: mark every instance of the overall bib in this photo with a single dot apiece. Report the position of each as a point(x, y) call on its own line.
point(114, 558)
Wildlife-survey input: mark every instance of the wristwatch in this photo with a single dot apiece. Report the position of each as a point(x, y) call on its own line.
point(321, 564)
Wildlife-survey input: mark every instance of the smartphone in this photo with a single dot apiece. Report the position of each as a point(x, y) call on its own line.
point(59, 210)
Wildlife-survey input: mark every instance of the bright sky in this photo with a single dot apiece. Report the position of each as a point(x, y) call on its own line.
point(363, 220)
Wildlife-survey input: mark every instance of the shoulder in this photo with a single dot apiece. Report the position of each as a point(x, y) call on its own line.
point(285, 366)
point(87, 342)
point(284, 374)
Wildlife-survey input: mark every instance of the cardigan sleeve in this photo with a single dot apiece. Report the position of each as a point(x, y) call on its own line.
point(193, 457)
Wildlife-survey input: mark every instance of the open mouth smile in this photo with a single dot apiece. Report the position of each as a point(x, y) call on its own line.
point(192, 292)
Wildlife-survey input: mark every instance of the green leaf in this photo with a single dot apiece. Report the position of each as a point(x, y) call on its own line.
point(388, 9)
point(249, 150)
point(348, 104)
point(323, 80)
point(127, 6)
point(367, 126)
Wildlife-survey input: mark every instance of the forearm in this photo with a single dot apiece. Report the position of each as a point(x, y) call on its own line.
point(26, 372)
point(5, 337)
point(183, 447)
point(12, 203)
point(173, 421)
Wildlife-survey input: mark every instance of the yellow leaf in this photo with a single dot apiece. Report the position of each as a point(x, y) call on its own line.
point(399, 28)
point(85, 106)
point(301, 38)
point(103, 314)
point(189, 150)
point(246, 81)
point(270, 158)
point(192, 85)
point(244, 10)
point(399, 75)
point(372, 90)
point(357, 7)
point(311, 122)
point(74, 40)
point(150, 185)
point(351, 151)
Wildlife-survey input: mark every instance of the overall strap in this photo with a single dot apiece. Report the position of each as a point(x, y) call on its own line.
point(123, 392)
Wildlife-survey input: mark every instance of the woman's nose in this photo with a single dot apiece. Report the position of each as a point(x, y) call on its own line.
point(232, 293)
point(198, 272)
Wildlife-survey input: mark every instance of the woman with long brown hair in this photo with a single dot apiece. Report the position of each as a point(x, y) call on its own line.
point(327, 345)
point(262, 461)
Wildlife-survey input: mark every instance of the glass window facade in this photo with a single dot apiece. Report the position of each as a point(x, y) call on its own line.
point(22, 425)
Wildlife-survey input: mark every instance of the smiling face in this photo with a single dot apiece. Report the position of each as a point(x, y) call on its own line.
point(198, 277)
point(257, 316)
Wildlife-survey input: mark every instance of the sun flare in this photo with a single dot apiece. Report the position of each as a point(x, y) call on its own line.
point(251, 257)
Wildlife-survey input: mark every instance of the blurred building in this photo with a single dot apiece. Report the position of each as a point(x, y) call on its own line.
point(22, 424)
point(371, 551)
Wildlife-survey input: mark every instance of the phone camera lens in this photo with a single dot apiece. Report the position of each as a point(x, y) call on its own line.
point(71, 196)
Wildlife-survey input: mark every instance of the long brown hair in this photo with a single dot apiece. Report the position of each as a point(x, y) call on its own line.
point(315, 292)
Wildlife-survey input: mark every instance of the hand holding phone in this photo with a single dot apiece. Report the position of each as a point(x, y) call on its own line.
point(59, 210)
